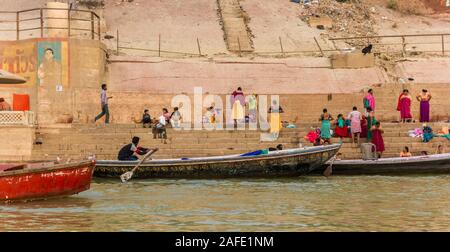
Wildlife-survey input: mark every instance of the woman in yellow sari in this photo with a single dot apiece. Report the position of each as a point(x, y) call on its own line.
point(275, 118)
point(237, 101)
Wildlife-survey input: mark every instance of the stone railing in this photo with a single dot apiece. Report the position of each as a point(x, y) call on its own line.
point(16, 118)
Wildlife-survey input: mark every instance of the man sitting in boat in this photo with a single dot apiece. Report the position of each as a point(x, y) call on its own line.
point(405, 152)
point(127, 153)
point(263, 151)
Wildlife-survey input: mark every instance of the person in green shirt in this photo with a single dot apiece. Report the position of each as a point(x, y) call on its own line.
point(252, 107)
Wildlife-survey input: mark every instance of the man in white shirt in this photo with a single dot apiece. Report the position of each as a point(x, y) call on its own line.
point(160, 129)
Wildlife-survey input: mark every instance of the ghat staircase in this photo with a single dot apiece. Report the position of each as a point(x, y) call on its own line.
point(237, 36)
point(81, 141)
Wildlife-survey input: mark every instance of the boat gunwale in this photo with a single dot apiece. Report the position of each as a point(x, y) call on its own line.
point(395, 160)
point(216, 159)
point(53, 168)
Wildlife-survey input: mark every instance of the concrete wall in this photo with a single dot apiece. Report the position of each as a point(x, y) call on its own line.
point(16, 142)
point(128, 106)
point(76, 64)
point(274, 76)
point(352, 60)
point(431, 70)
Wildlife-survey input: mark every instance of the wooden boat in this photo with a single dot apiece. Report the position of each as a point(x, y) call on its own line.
point(432, 164)
point(44, 180)
point(291, 162)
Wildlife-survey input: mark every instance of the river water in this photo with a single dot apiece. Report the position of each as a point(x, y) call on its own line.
point(338, 203)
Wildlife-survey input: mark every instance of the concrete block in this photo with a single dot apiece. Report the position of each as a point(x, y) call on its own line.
point(352, 60)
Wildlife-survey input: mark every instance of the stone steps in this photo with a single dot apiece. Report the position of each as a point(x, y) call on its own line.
point(235, 28)
point(105, 142)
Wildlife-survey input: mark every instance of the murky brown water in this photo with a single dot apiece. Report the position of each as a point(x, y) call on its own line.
point(367, 203)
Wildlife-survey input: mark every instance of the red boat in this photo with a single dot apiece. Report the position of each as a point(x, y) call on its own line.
point(44, 180)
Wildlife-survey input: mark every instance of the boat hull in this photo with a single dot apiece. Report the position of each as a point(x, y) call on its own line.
point(432, 164)
point(45, 182)
point(279, 164)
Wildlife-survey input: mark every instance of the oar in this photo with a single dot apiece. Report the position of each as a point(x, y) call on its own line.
point(127, 175)
point(329, 169)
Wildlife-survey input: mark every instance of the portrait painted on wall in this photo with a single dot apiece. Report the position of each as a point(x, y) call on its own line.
point(53, 64)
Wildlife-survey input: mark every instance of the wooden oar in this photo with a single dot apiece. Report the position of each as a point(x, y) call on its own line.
point(329, 169)
point(127, 175)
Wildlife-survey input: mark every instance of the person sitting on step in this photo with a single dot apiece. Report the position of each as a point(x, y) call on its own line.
point(146, 119)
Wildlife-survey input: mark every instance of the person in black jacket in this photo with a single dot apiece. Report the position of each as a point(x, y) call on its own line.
point(127, 153)
point(146, 119)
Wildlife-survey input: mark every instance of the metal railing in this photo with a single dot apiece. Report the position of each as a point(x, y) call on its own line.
point(405, 40)
point(17, 118)
point(390, 44)
point(36, 20)
point(126, 45)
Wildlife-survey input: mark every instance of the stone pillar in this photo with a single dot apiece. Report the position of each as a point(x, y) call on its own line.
point(61, 20)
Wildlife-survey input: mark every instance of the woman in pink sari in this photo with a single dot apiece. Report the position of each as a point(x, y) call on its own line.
point(377, 138)
point(369, 101)
point(404, 106)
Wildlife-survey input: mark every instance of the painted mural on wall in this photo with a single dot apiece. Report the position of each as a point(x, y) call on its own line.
point(53, 78)
point(44, 63)
point(53, 64)
point(21, 59)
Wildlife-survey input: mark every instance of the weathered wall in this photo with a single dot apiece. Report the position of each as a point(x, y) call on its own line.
point(136, 85)
point(431, 70)
point(16, 142)
point(127, 106)
point(352, 60)
point(53, 76)
point(279, 76)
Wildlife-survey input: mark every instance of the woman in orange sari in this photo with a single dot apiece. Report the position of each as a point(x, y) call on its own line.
point(404, 106)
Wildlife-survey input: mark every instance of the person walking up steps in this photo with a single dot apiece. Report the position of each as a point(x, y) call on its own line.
point(369, 102)
point(104, 102)
point(355, 118)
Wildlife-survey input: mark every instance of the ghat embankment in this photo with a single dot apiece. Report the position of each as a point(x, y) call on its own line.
point(306, 82)
point(82, 141)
